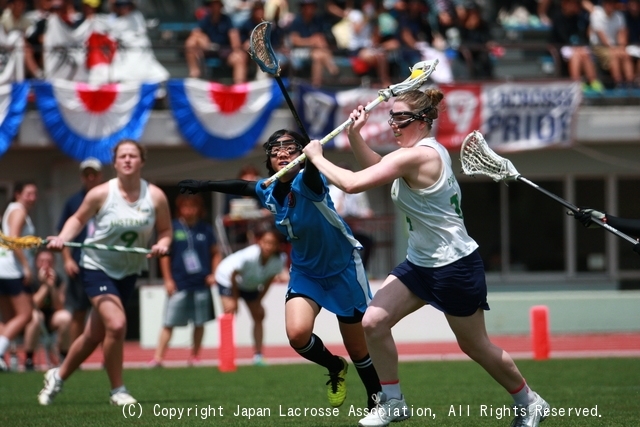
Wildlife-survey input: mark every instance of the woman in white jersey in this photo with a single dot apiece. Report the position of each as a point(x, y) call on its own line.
point(126, 210)
point(15, 268)
point(442, 268)
point(247, 274)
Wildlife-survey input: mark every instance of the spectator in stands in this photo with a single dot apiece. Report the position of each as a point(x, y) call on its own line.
point(216, 35)
point(309, 42)
point(362, 50)
point(238, 10)
point(35, 37)
point(387, 35)
point(476, 34)
point(277, 11)
point(569, 33)
point(632, 18)
point(49, 314)
point(14, 18)
point(609, 37)
point(417, 34)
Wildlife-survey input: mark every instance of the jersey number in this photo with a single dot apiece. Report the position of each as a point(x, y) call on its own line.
point(287, 224)
point(129, 238)
point(455, 202)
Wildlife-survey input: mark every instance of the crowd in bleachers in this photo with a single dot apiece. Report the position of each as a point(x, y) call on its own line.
point(597, 41)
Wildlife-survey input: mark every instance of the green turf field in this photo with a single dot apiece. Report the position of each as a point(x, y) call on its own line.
point(440, 393)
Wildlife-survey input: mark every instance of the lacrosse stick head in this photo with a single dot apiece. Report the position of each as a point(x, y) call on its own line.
point(23, 242)
point(478, 159)
point(261, 51)
point(420, 72)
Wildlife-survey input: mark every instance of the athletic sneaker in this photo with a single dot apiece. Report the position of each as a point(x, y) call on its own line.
point(153, 363)
point(29, 366)
point(337, 386)
point(385, 412)
point(258, 360)
point(52, 386)
point(3, 365)
point(122, 398)
point(532, 415)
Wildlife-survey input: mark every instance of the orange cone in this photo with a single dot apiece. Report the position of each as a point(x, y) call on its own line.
point(227, 349)
point(540, 336)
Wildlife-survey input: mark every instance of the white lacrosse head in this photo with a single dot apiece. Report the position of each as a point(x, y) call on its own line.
point(477, 158)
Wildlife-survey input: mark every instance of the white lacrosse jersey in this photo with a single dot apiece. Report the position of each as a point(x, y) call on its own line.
point(119, 222)
point(437, 235)
point(247, 262)
point(10, 267)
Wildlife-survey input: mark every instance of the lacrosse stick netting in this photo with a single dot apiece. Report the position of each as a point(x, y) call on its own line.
point(420, 72)
point(261, 51)
point(477, 158)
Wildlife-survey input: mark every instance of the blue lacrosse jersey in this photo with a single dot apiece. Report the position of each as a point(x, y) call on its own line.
point(322, 244)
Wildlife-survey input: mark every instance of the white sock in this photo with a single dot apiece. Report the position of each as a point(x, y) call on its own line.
point(56, 375)
point(523, 395)
point(118, 390)
point(4, 344)
point(392, 390)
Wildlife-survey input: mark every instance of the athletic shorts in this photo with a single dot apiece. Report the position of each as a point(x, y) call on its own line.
point(96, 282)
point(189, 305)
point(248, 296)
point(75, 296)
point(13, 287)
point(457, 289)
point(343, 294)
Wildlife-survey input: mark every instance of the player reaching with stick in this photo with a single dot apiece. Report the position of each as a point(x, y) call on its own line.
point(126, 210)
point(625, 225)
point(322, 274)
point(442, 268)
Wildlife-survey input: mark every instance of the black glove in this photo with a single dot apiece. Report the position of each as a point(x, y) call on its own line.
point(636, 248)
point(586, 215)
point(192, 186)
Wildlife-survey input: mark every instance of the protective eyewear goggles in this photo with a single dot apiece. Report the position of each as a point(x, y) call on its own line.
point(402, 119)
point(288, 146)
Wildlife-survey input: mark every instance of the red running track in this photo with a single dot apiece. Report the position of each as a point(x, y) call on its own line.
point(562, 346)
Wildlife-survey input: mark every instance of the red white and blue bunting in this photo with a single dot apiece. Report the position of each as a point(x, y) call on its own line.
point(13, 103)
point(88, 121)
point(223, 122)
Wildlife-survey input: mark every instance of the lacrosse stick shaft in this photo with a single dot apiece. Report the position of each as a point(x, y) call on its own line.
point(574, 208)
point(292, 107)
point(102, 247)
point(301, 158)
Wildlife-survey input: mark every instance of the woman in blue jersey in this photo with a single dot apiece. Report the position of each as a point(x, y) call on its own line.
point(322, 274)
point(442, 268)
point(16, 306)
point(126, 210)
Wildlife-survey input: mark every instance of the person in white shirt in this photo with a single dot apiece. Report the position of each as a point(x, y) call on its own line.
point(127, 210)
point(248, 274)
point(443, 267)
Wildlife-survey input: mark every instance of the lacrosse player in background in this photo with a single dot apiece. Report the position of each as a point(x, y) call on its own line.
point(329, 275)
point(443, 267)
point(15, 268)
point(126, 209)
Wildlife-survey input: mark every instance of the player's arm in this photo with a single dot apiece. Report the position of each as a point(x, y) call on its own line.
point(628, 226)
point(238, 187)
point(167, 277)
point(90, 206)
point(216, 257)
point(312, 179)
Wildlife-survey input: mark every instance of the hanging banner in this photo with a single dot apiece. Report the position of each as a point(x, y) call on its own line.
point(323, 111)
point(511, 116)
point(12, 56)
point(88, 121)
point(223, 122)
point(101, 50)
point(13, 103)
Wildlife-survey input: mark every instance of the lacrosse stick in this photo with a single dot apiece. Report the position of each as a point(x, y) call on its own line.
point(262, 53)
point(420, 72)
point(477, 158)
point(30, 242)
